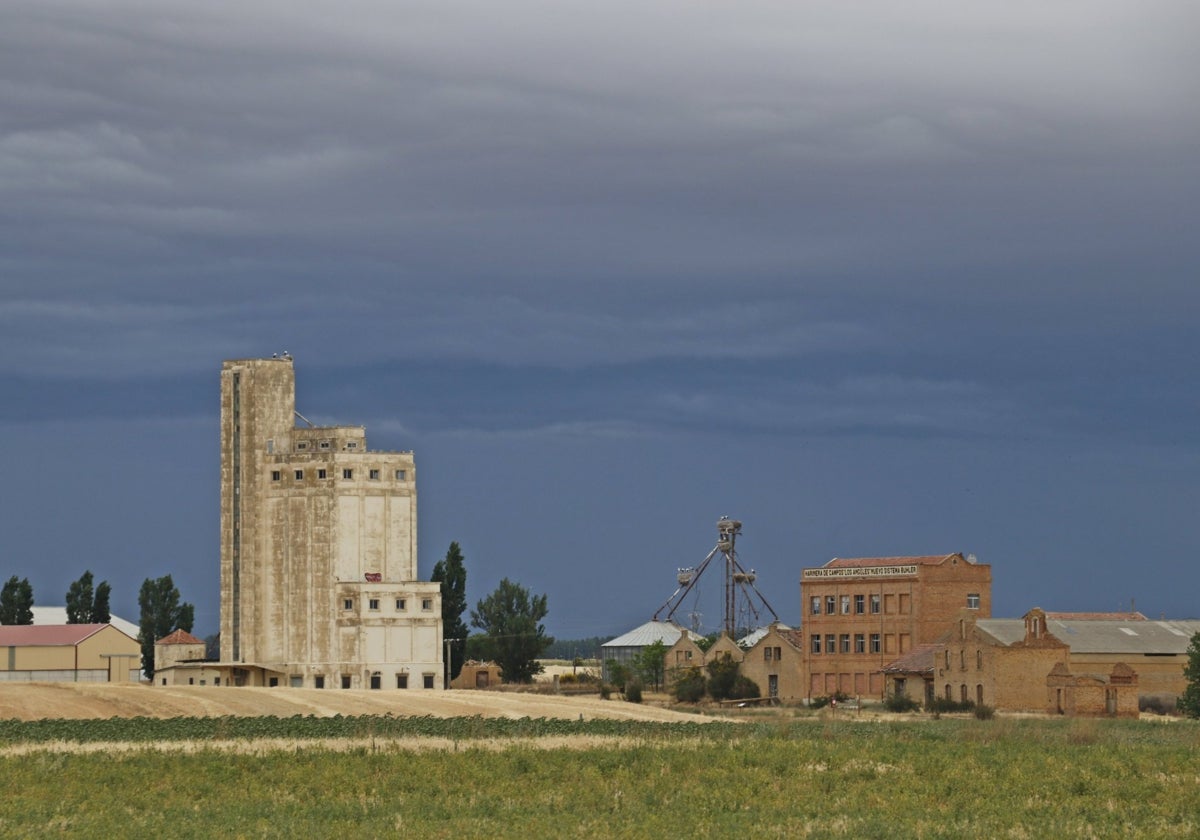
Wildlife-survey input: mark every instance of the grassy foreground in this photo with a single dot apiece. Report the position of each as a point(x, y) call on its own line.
point(945, 778)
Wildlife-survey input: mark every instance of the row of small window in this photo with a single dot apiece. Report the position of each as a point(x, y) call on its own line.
point(347, 473)
point(863, 603)
point(836, 644)
point(302, 445)
point(401, 604)
point(831, 604)
point(962, 660)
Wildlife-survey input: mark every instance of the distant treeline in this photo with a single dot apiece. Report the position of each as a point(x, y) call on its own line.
point(588, 648)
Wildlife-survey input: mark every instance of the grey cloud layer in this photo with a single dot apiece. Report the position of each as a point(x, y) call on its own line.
point(914, 191)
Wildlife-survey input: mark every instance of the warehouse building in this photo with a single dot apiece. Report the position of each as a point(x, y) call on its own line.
point(68, 653)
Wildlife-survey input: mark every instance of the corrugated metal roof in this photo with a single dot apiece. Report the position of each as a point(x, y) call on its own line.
point(58, 615)
point(755, 636)
point(1103, 636)
point(647, 634)
point(46, 635)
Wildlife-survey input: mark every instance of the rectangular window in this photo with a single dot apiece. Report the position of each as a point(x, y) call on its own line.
point(322, 474)
point(373, 604)
point(324, 444)
point(860, 643)
point(830, 643)
point(767, 654)
point(351, 445)
point(973, 601)
point(860, 602)
point(401, 604)
point(347, 473)
point(874, 643)
point(276, 475)
point(816, 642)
point(845, 643)
point(301, 446)
point(427, 604)
point(402, 681)
point(345, 680)
point(845, 605)
point(815, 604)
point(401, 475)
point(830, 605)
point(319, 681)
point(874, 605)
point(299, 475)
point(373, 475)
point(348, 604)
point(427, 680)
point(295, 681)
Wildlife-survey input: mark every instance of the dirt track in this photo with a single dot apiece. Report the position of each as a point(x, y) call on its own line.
point(33, 701)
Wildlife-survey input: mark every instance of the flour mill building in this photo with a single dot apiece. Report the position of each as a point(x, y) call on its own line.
point(319, 583)
point(862, 613)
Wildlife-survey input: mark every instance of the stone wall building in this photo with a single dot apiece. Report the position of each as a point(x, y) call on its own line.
point(860, 614)
point(774, 663)
point(319, 583)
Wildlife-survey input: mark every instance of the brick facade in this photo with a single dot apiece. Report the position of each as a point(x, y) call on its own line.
point(860, 614)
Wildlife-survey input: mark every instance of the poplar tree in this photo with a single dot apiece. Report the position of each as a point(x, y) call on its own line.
point(451, 573)
point(16, 602)
point(87, 604)
point(162, 614)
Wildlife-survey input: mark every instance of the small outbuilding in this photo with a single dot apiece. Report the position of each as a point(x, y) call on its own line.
point(626, 647)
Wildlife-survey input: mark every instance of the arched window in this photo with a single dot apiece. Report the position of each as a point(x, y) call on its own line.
point(979, 695)
point(978, 660)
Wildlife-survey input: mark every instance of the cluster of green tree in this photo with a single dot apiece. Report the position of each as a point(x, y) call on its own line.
point(162, 613)
point(16, 601)
point(1189, 701)
point(571, 649)
point(510, 620)
point(723, 682)
point(86, 603)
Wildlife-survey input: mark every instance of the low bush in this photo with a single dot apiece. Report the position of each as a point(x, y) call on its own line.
point(984, 712)
point(689, 686)
point(900, 703)
point(940, 704)
point(633, 691)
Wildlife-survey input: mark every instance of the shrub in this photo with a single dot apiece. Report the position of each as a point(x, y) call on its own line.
point(1157, 704)
point(689, 686)
point(567, 679)
point(824, 700)
point(941, 704)
point(605, 691)
point(633, 691)
point(743, 687)
point(984, 712)
point(900, 703)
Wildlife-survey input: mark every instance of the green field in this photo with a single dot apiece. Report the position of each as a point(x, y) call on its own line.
point(787, 778)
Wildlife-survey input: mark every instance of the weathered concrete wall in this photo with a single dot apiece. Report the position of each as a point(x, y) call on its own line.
point(318, 544)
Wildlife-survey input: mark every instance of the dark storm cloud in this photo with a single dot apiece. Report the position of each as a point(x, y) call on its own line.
point(881, 277)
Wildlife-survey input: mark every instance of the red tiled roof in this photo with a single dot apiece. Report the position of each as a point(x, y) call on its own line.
point(46, 635)
point(1095, 616)
point(180, 637)
point(859, 562)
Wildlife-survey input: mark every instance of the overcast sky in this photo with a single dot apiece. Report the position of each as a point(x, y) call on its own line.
point(874, 278)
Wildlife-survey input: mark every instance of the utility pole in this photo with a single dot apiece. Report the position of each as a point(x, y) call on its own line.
point(446, 669)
